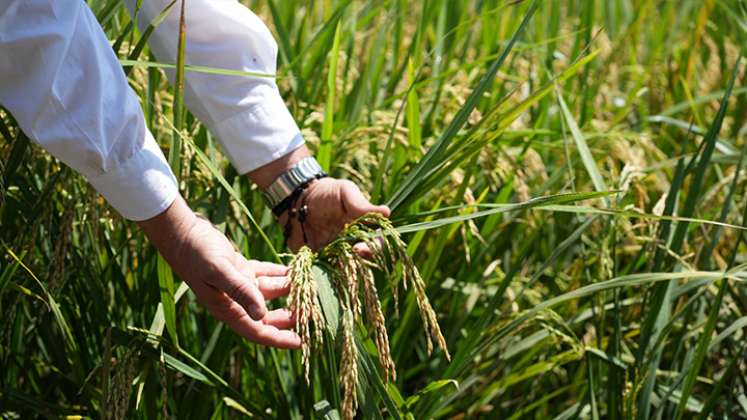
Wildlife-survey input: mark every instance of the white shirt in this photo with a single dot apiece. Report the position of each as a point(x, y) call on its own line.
point(63, 84)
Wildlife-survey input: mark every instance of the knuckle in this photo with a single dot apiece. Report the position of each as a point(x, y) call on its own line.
point(350, 185)
point(215, 300)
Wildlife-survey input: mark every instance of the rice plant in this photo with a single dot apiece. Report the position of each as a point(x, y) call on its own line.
point(568, 191)
point(353, 276)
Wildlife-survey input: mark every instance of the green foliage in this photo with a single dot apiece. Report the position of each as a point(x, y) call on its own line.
point(568, 176)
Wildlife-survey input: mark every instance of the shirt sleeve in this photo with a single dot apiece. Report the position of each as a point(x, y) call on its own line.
point(61, 81)
point(246, 114)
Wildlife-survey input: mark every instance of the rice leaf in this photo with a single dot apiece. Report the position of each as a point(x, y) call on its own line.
point(434, 154)
point(583, 148)
point(324, 154)
point(175, 148)
point(166, 286)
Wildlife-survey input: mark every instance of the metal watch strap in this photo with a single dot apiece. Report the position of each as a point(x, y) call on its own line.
point(284, 186)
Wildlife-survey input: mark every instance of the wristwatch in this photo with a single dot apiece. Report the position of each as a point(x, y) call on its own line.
point(289, 185)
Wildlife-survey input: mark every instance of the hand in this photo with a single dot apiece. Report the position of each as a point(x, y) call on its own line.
point(331, 204)
point(228, 285)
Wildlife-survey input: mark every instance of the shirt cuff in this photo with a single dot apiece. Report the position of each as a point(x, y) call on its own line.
point(259, 135)
point(143, 186)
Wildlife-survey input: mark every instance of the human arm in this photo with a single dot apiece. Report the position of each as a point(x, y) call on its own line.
point(331, 202)
point(247, 113)
point(228, 285)
point(63, 84)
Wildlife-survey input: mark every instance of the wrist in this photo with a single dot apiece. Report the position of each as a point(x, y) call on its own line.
point(293, 213)
point(167, 230)
point(265, 175)
point(283, 194)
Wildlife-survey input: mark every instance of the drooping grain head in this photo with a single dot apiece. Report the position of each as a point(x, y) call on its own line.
point(378, 324)
point(346, 277)
point(353, 270)
point(352, 276)
point(349, 366)
point(383, 239)
point(304, 304)
point(121, 385)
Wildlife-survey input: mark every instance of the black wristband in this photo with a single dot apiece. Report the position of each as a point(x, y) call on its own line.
point(288, 201)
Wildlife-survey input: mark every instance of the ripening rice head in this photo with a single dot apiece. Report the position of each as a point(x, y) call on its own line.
point(305, 305)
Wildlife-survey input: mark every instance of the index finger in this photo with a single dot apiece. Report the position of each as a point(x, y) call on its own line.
point(229, 312)
point(273, 287)
point(263, 268)
point(265, 334)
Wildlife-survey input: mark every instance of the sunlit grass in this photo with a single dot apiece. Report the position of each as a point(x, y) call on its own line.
point(568, 182)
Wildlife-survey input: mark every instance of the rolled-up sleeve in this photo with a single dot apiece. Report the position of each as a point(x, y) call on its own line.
point(246, 113)
point(63, 84)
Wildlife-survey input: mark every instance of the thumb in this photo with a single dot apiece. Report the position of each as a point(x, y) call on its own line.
point(244, 291)
point(384, 210)
point(356, 204)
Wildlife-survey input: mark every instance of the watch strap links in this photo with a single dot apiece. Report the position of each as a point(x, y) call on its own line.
point(288, 183)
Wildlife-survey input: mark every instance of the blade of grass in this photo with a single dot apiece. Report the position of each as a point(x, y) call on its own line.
point(582, 146)
point(434, 154)
point(175, 149)
point(205, 160)
point(196, 69)
point(135, 53)
point(166, 286)
point(535, 202)
point(656, 308)
point(324, 155)
point(413, 114)
point(717, 392)
point(700, 352)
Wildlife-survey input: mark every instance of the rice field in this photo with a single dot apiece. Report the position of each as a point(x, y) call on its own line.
point(568, 178)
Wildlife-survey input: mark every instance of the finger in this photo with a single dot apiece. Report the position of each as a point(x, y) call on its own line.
point(258, 268)
point(226, 310)
point(264, 334)
point(356, 204)
point(367, 251)
point(363, 250)
point(384, 210)
point(243, 289)
point(273, 287)
point(263, 268)
point(271, 336)
point(279, 318)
